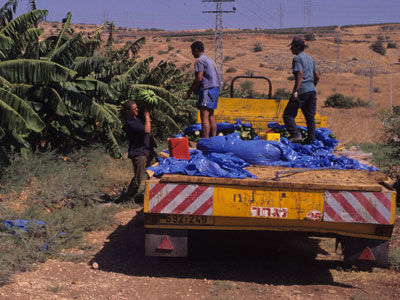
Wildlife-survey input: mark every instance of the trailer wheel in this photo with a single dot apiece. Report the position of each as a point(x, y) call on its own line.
point(365, 253)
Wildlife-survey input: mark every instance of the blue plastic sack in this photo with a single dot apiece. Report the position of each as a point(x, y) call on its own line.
point(223, 126)
point(23, 225)
point(258, 152)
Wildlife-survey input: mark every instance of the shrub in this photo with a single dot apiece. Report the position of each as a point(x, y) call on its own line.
point(337, 40)
point(240, 54)
point(392, 45)
point(281, 94)
point(378, 47)
point(249, 72)
point(257, 47)
point(247, 85)
point(376, 90)
point(380, 37)
point(228, 58)
point(367, 36)
point(340, 101)
point(291, 77)
point(170, 48)
point(178, 51)
point(168, 39)
point(231, 70)
point(309, 36)
point(394, 259)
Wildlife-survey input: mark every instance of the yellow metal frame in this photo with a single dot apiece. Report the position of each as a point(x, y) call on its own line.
point(328, 228)
point(258, 112)
point(232, 211)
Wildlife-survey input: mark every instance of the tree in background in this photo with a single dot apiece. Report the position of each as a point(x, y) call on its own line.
point(65, 91)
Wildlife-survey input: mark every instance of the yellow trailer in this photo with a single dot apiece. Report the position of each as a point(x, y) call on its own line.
point(350, 205)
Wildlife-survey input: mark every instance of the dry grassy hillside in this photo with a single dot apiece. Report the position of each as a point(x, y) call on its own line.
point(274, 61)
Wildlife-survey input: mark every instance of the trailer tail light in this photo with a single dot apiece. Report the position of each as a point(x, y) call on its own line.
point(165, 244)
point(367, 254)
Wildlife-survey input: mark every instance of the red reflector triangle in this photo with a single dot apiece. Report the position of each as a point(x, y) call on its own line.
point(165, 244)
point(367, 254)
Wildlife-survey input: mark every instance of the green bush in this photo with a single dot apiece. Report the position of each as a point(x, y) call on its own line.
point(231, 70)
point(170, 48)
point(249, 73)
point(310, 36)
point(228, 58)
point(281, 94)
point(340, 101)
point(291, 77)
point(378, 47)
point(337, 40)
point(392, 45)
point(380, 37)
point(67, 193)
point(257, 47)
point(367, 36)
point(247, 86)
point(376, 90)
point(394, 259)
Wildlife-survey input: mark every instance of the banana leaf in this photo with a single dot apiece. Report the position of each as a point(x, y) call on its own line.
point(24, 110)
point(34, 71)
point(90, 108)
point(87, 65)
point(11, 120)
point(112, 144)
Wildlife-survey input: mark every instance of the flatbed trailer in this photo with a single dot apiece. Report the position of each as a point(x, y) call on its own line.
point(350, 205)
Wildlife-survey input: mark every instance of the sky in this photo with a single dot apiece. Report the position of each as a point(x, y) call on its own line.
point(187, 14)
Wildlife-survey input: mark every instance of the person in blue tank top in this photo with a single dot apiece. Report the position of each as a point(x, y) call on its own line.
point(206, 84)
point(304, 93)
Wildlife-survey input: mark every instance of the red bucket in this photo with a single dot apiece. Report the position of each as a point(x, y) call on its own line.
point(179, 147)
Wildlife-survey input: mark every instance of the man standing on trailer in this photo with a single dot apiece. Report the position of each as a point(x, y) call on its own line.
point(206, 84)
point(304, 93)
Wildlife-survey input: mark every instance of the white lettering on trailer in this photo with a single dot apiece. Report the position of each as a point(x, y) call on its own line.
point(269, 212)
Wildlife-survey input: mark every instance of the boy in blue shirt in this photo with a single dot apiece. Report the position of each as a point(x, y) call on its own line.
point(304, 93)
point(206, 84)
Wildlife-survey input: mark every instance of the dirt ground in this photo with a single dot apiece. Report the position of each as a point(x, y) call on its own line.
point(220, 266)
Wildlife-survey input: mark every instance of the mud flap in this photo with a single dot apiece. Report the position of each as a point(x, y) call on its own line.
point(166, 242)
point(365, 252)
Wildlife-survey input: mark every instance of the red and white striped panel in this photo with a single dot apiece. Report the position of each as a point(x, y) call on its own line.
point(185, 199)
point(358, 207)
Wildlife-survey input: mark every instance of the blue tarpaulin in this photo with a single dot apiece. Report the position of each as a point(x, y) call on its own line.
point(226, 156)
point(210, 165)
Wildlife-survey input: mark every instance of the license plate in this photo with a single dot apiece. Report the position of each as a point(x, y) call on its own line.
point(186, 220)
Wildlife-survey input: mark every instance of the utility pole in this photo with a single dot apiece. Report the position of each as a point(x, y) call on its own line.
point(371, 87)
point(307, 14)
point(281, 14)
point(218, 49)
point(338, 41)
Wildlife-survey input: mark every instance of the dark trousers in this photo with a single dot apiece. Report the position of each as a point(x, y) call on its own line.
point(307, 102)
point(140, 163)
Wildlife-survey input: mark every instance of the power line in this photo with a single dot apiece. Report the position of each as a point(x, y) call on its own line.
point(263, 20)
point(218, 49)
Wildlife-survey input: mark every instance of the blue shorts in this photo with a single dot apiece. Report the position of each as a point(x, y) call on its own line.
point(208, 98)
